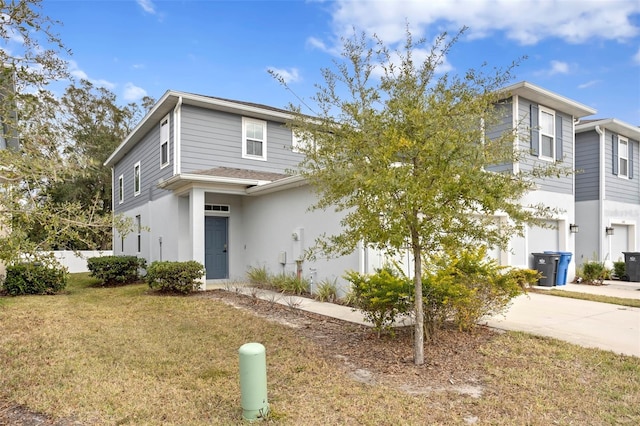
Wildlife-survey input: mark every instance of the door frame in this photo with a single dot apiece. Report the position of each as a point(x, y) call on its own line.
point(226, 218)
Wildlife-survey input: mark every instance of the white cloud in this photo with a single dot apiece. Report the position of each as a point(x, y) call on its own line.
point(291, 75)
point(636, 57)
point(133, 93)
point(588, 84)
point(147, 6)
point(559, 67)
point(79, 74)
point(526, 21)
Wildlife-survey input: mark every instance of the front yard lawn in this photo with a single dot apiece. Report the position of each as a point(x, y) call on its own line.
point(122, 355)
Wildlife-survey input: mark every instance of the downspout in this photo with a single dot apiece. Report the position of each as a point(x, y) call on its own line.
point(515, 122)
point(602, 195)
point(176, 137)
point(113, 210)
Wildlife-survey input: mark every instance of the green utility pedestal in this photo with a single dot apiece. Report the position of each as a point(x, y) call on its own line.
point(253, 381)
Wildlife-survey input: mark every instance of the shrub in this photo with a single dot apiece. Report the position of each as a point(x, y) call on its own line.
point(381, 296)
point(115, 270)
point(258, 275)
point(289, 283)
point(175, 277)
point(595, 273)
point(465, 285)
point(34, 278)
point(327, 291)
point(620, 269)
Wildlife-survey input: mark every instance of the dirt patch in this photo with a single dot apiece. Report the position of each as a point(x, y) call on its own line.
point(452, 362)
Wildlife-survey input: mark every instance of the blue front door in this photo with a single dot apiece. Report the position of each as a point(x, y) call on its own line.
point(216, 257)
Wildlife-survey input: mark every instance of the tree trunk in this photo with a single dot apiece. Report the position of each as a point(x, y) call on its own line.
point(418, 339)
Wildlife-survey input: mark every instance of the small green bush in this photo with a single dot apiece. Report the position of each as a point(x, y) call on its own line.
point(289, 283)
point(327, 291)
point(382, 297)
point(464, 286)
point(116, 270)
point(258, 275)
point(34, 278)
point(620, 269)
point(175, 277)
point(595, 273)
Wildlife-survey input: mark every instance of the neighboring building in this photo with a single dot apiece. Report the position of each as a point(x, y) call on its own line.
point(607, 190)
point(208, 179)
point(545, 123)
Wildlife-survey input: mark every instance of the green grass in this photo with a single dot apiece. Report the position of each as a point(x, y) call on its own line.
point(120, 355)
point(592, 297)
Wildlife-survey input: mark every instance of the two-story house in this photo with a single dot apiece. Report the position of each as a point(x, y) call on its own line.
point(208, 179)
point(607, 190)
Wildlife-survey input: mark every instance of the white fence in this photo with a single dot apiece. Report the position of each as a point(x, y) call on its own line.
point(77, 261)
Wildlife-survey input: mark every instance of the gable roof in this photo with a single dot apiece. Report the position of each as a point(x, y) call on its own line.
point(172, 99)
point(612, 124)
point(552, 100)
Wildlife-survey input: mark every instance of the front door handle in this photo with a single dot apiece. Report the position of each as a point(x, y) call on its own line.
point(225, 249)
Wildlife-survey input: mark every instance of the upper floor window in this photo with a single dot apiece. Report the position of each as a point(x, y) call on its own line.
point(254, 139)
point(164, 142)
point(120, 189)
point(136, 179)
point(623, 157)
point(546, 133)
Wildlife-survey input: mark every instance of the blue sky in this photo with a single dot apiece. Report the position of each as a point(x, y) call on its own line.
point(586, 50)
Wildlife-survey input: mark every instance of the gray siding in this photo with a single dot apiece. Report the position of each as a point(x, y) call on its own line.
point(587, 166)
point(563, 185)
point(504, 124)
point(619, 189)
point(147, 152)
point(213, 139)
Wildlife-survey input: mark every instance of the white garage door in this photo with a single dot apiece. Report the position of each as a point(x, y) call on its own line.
point(542, 239)
point(619, 242)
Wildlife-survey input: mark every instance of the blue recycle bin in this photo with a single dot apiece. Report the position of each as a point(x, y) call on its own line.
point(563, 266)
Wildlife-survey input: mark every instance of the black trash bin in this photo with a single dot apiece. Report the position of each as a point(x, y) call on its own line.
point(632, 265)
point(563, 266)
point(547, 264)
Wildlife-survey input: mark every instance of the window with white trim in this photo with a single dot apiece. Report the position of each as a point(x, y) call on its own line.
point(136, 179)
point(164, 142)
point(120, 189)
point(547, 134)
point(254, 139)
point(623, 157)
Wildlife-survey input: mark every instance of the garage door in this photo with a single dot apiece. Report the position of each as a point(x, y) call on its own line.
point(619, 242)
point(542, 239)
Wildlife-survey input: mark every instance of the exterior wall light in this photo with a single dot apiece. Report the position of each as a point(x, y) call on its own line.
point(608, 230)
point(573, 228)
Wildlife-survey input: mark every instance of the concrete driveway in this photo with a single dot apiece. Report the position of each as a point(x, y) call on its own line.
point(591, 324)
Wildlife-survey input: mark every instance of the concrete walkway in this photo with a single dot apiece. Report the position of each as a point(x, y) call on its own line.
point(590, 324)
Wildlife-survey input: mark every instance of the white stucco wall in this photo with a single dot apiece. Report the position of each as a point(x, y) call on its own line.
point(270, 222)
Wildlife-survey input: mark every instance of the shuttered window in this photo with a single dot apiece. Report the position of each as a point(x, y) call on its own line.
point(546, 138)
point(622, 152)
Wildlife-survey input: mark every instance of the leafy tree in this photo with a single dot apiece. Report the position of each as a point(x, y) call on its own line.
point(403, 153)
point(35, 137)
point(94, 125)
